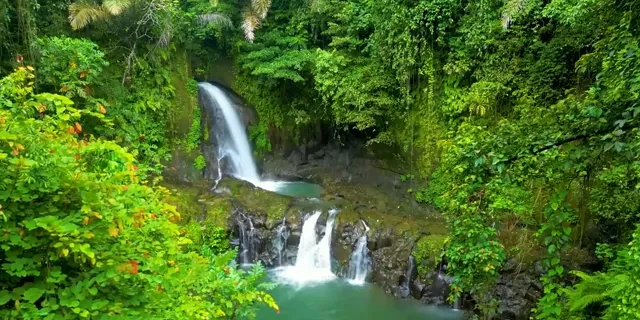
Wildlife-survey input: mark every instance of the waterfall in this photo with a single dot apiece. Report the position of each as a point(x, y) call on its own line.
point(313, 263)
point(247, 241)
point(410, 273)
point(219, 177)
point(280, 241)
point(307, 247)
point(359, 260)
point(323, 254)
point(235, 144)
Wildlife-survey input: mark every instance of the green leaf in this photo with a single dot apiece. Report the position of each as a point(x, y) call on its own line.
point(33, 294)
point(5, 296)
point(99, 304)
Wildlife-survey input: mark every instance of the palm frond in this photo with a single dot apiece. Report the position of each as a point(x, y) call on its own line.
point(261, 7)
point(116, 7)
point(81, 14)
point(217, 18)
point(250, 23)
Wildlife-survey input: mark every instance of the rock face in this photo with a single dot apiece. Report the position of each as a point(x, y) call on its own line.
point(517, 291)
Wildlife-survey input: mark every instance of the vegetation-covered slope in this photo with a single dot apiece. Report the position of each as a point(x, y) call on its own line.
point(516, 114)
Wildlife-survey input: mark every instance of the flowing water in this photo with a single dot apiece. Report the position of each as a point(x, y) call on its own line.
point(233, 145)
point(308, 290)
point(247, 241)
point(313, 263)
point(359, 260)
point(280, 241)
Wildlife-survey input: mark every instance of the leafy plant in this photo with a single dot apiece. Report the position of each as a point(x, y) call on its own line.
point(69, 66)
point(85, 237)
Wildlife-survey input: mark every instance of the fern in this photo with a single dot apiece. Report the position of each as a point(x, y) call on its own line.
point(592, 289)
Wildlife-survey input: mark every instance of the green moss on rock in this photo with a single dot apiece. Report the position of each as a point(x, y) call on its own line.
point(272, 205)
point(428, 252)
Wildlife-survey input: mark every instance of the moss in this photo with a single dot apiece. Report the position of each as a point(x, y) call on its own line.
point(185, 199)
point(383, 210)
point(218, 211)
point(273, 205)
point(204, 216)
point(428, 252)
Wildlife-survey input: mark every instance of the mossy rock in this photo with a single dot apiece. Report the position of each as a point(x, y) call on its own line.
point(253, 199)
point(204, 215)
point(428, 252)
point(383, 210)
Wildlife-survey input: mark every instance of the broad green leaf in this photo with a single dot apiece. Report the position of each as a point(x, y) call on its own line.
point(33, 294)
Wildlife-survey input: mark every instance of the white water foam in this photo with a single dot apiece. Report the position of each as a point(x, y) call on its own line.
point(313, 264)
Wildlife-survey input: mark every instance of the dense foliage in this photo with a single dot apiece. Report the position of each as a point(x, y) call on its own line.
point(520, 117)
point(84, 237)
point(83, 138)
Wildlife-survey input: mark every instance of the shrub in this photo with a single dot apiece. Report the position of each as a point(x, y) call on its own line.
point(83, 237)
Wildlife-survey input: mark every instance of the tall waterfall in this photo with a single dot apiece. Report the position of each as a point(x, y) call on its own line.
point(313, 263)
point(359, 260)
point(234, 145)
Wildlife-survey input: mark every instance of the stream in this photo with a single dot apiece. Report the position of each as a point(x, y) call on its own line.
point(309, 289)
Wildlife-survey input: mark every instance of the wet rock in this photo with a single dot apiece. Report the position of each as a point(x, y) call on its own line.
point(517, 294)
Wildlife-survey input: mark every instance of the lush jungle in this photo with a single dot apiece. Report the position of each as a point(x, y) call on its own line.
point(519, 120)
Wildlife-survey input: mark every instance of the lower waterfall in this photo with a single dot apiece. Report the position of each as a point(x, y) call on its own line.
point(359, 260)
point(313, 263)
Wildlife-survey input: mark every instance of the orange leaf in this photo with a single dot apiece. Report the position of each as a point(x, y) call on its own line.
point(78, 127)
point(102, 108)
point(71, 130)
point(134, 266)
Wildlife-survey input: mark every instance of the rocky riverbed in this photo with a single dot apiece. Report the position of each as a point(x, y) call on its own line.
point(404, 241)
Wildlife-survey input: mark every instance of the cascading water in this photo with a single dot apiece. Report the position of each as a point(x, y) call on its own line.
point(280, 241)
point(359, 260)
point(247, 241)
point(233, 145)
point(219, 174)
point(308, 242)
point(323, 254)
point(313, 263)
